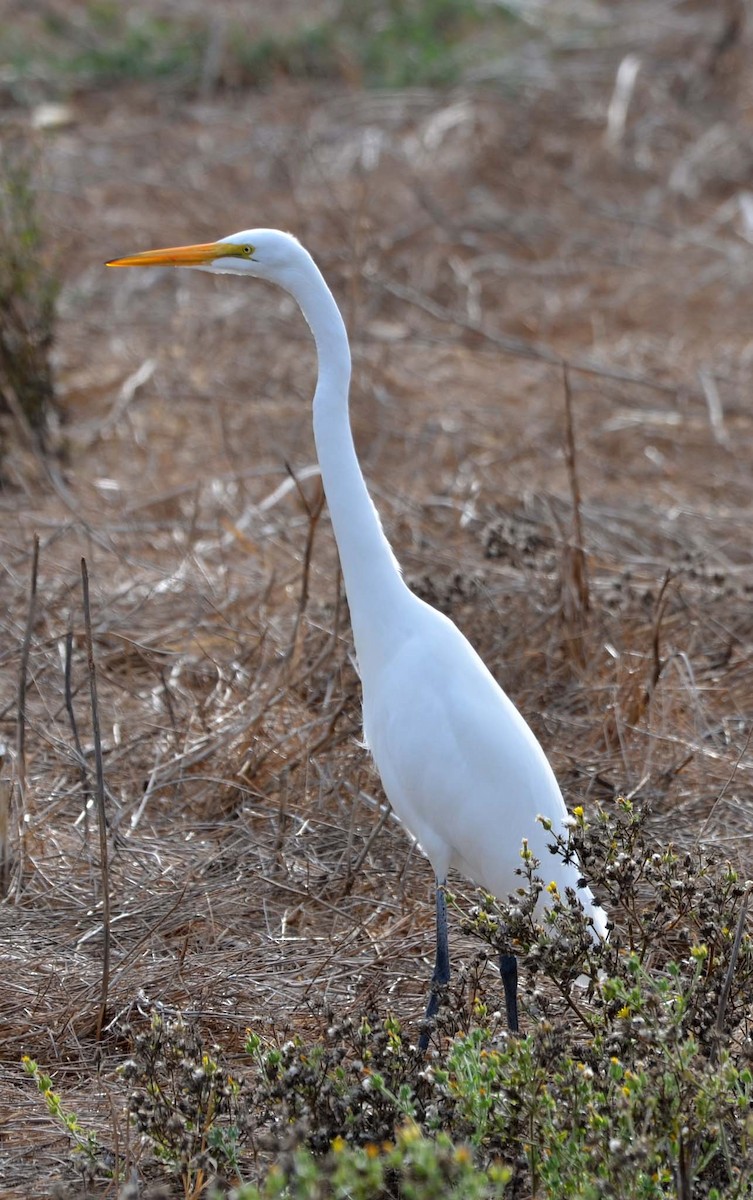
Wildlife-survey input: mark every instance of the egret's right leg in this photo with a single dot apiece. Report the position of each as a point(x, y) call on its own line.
point(441, 976)
point(508, 969)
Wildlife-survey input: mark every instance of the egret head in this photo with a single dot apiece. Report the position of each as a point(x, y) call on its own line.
point(265, 253)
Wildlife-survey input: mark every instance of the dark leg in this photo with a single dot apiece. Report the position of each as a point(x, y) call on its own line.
point(441, 976)
point(508, 969)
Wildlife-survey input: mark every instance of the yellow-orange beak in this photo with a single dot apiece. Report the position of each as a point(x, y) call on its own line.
point(178, 256)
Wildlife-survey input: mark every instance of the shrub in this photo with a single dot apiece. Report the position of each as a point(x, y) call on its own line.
point(29, 287)
point(634, 1081)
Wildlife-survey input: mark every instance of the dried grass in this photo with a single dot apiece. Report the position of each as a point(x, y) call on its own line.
point(252, 869)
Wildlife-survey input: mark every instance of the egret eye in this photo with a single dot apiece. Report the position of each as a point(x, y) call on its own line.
point(248, 251)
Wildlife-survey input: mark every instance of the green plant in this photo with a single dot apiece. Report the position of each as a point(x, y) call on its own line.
point(185, 1104)
point(657, 1059)
point(414, 1167)
point(357, 1085)
point(88, 1155)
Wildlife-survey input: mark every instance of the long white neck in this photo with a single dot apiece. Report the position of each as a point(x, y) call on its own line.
point(377, 595)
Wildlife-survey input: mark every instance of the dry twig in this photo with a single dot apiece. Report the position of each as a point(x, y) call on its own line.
point(575, 589)
point(724, 997)
point(85, 786)
point(314, 510)
point(23, 679)
point(100, 799)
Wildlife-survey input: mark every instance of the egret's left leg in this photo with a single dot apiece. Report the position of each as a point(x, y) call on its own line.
point(441, 976)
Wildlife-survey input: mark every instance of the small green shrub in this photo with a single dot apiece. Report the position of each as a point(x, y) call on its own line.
point(643, 1087)
point(415, 1167)
point(184, 1103)
point(88, 1156)
point(357, 1085)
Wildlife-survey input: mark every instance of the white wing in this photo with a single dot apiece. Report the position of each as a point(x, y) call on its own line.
point(460, 766)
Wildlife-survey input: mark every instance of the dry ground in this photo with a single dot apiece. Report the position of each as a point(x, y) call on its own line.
point(475, 239)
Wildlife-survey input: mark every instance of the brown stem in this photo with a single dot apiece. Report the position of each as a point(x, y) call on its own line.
point(100, 799)
point(23, 676)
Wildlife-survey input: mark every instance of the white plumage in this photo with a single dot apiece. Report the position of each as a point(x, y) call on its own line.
point(460, 766)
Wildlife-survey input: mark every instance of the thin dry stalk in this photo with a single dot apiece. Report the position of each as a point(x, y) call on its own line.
point(6, 802)
point(23, 678)
point(657, 663)
point(724, 998)
point(637, 704)
point(133, 954)
point(725, 786)
point(85, 786)
point(576, 600)
point(360, 859)
point(314, 510)
point(100, 798)
point(521, 347)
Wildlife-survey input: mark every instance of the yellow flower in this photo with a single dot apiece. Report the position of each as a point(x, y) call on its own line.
point(624, 1012)
point(578, 811)
point(338, 1145)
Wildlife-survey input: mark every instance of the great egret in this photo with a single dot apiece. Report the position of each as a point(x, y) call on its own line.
point(460, 766)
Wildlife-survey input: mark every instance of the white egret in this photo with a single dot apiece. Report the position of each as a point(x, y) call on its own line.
point(460, 766)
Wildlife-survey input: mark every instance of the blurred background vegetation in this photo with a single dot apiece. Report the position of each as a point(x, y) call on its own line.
point(372, 43)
